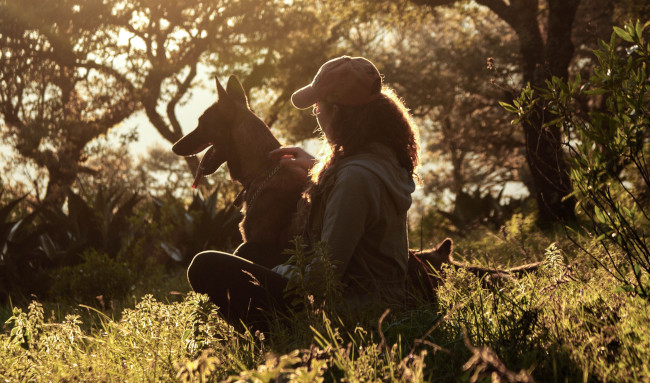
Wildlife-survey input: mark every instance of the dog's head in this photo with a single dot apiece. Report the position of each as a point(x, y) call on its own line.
point(215, 129)
point(440, 255)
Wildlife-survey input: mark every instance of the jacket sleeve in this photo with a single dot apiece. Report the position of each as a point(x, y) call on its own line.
point(352, 206)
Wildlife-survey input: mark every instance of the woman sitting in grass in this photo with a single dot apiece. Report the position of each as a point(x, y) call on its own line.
point(358, 202)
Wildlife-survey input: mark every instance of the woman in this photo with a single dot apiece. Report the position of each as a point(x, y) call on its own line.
point(361, 192)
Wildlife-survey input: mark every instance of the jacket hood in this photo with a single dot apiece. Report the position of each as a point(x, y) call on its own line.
point(380, 160)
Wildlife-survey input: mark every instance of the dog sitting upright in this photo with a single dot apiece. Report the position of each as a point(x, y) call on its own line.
point(236, 136)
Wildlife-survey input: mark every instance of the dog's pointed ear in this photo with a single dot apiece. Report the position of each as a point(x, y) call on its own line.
point(221, 93)
point(445, 248)
point(236, 91)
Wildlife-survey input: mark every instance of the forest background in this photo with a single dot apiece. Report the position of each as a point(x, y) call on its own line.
point(533, 123)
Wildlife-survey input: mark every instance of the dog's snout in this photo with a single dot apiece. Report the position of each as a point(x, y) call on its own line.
point(192, 143)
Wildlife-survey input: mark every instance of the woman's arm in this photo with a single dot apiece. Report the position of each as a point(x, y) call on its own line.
point(350, 210)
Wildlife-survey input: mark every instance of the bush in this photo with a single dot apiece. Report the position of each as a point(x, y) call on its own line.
point(23, 260)
point(206, 224)
point(609, 146)
point(96, 275)
point(106, 231)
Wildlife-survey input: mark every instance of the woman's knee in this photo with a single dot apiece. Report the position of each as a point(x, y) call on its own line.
point(203, 267)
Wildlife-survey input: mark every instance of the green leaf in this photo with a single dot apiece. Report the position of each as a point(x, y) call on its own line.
point(596, 91)
point(624, 289)
point(578, 78)
point(186, 334)
point(601, 237)
point(623, 34)
point(626, 211)
point(637, 270)
point(599, 214)
point(508, 107)
point(638, 29)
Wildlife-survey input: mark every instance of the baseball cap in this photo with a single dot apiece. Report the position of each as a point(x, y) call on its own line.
point(344, 80)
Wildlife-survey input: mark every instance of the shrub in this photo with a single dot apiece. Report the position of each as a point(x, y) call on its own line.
point(23, 260)
point(208, 223)
point(609, 145)
point(96, 275)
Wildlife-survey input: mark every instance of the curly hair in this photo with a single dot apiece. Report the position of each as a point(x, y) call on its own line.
point(384, 120)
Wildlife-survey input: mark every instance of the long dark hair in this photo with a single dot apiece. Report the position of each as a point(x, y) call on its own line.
point(384, 120)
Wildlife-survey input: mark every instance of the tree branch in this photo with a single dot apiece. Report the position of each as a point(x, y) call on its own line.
point(501, 9)
point(180, 92)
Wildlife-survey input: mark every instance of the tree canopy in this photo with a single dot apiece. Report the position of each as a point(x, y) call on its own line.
point(72, 70)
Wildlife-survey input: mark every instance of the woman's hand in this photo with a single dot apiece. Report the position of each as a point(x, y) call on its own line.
point(293, 157)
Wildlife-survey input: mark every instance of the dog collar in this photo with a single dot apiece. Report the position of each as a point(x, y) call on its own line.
point(239, 200)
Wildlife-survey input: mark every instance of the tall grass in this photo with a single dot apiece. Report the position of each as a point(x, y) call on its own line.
point(567, 322)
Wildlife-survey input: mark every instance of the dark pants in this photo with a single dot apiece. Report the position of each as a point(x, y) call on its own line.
point(242, 284)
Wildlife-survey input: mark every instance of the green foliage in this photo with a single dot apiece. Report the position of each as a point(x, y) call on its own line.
point(210, 223)
point(561, 324)
point(22, 257)
point(281, 369)
point(507, 319)
point(151, 342)
point(102, 243)
point(26, 327)
point(55, 95)
point(97, 275)
point(554, 266)
point(597, 328)
point(312, 282)
point(609, 147)
point(518, 241)
point(482, 225)
point(354, 355)
point(99, 222)
point(93, 233)
point(474, 209)
point(208, 329)
point(567, 322)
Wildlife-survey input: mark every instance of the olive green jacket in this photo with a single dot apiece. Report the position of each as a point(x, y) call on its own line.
point(360, 210)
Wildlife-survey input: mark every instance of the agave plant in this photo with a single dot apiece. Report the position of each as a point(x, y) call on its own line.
point(23, 260)
point(100, 224)
point(202, 225)
point(6, 226)
point(51, 237)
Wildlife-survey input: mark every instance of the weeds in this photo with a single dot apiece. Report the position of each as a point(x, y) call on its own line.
point(547, 325)
point(567, 322)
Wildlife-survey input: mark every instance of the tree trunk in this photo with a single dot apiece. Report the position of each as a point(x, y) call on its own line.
point(540, 61)
point(549, 170)
point(62, 169)
point(544, 153)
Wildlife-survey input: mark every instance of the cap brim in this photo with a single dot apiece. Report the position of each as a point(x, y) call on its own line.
point(191, 144)
point(304, 97)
